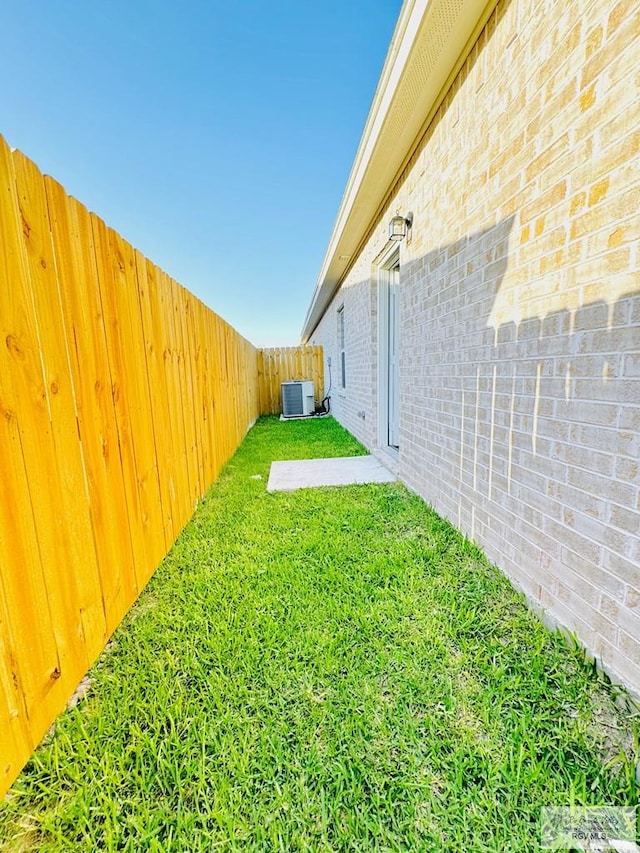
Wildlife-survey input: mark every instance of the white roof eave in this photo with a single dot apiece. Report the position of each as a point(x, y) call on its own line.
point(431, 39)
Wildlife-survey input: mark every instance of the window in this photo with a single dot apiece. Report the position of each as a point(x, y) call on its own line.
point(343, 375)
point(388, 352)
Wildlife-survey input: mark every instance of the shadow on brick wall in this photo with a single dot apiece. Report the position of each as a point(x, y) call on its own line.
point(527, 434)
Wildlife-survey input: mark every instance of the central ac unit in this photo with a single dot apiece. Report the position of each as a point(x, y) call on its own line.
point(297, 398)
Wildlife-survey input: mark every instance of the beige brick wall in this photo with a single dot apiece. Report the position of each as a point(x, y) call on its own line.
point(353, 404)
point(520, 311)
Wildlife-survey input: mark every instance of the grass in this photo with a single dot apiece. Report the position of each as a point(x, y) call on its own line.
point(332, 669)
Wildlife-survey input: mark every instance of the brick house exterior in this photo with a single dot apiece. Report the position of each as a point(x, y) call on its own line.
point(512, 135)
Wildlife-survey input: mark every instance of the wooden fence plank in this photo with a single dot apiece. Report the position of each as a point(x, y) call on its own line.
point(140, 407)
point(200, 405)
point(75, 543)
point(195, 350)
point(84, 325)
point(15, 738)
point(114, 320)
point(125, 349)
point(172, 354)
point(187, 367)
point(31, 636)
point(158, 393)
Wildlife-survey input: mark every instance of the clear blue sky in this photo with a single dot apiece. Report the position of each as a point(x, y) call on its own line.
point(216, 137)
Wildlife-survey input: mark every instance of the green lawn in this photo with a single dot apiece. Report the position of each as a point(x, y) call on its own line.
point(327, 670)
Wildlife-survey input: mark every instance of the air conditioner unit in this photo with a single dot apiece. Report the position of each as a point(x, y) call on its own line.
point(297, 398)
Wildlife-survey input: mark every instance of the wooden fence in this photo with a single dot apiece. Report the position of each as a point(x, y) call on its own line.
point(121, 397)
point(279, 364)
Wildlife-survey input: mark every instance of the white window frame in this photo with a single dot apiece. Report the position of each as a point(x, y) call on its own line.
point(341, 347)
point(386, 264)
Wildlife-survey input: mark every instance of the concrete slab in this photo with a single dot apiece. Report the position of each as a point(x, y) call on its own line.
point(340, 471)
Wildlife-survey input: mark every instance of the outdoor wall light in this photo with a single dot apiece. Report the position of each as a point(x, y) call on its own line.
point(399, 226)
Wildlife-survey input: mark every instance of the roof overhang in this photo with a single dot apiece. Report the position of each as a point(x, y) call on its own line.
point(431, 41)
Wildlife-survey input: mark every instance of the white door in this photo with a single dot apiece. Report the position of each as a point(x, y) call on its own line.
point(393, 383)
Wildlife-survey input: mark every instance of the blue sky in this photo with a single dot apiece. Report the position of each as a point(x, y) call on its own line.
point(215, 137)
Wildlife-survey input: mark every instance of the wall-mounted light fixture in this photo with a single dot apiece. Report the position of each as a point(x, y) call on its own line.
point(399, 226)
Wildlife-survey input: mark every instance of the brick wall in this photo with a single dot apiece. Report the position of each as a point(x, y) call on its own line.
point(520, 314)
point(352, 405)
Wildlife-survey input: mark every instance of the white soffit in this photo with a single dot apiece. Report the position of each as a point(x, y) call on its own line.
point(430, 41)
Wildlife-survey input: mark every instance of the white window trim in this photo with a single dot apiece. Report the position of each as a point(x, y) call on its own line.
point(386, 263)
point(341, 347)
